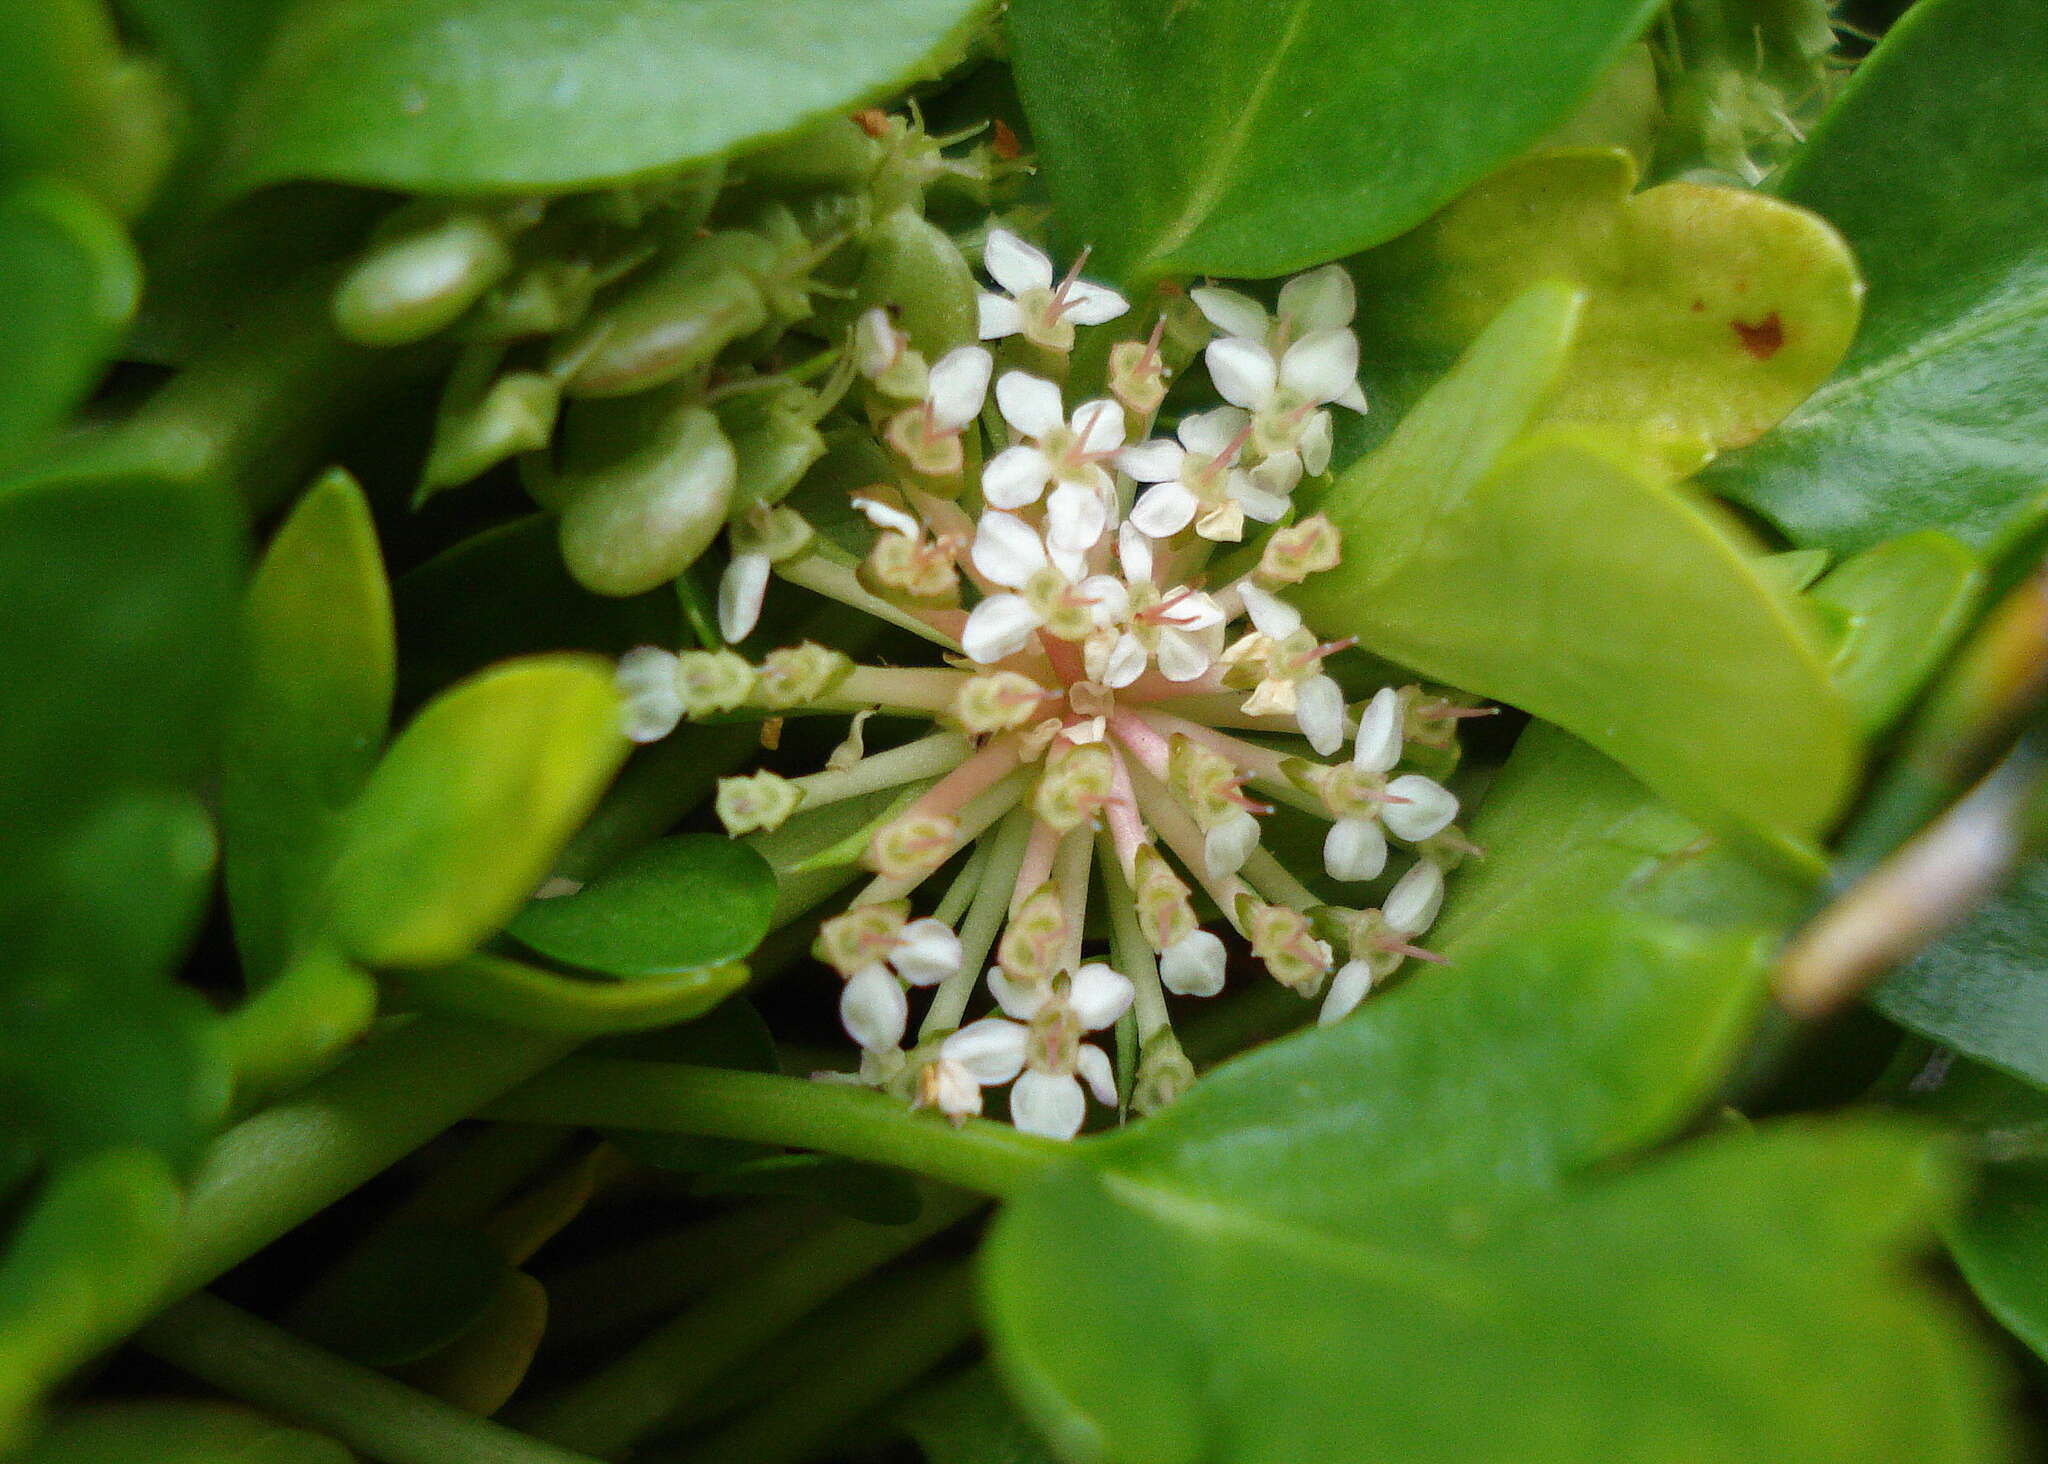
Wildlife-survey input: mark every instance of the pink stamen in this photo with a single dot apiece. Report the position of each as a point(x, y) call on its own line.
point(1330, 648)
point(1234, 791)
point(1413, 952)
point(1445, 712)
point(1151, 356)
point(1232, 448)
point(1061, 304)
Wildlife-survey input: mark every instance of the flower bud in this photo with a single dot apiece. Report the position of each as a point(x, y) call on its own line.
point(798, 675)
point(420, 278)
point(775, 439)
point(1035, 939)
point(1297, 551)
point(1164, 1076)
point(774, 533)
point(676, 318)
point(997, 701)
point(915, 272)
point(1076, 782)
point(860, 936)
point(710, 682)
point(836, 153)
point(644, 519)
point(1166, 915)
point(646, 681)
point(912, 846)
point(515, 414)
point(761, 801)
point(543, 299)
point(1282, 940)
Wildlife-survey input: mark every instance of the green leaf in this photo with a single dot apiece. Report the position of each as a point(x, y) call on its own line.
point(71, 283)
point(1259, 139)
point(179, 1433)
point(1559, 572)
point(1936, 420)
point(1221, 1282)
point(213, 43)
point(463, 816)
point(407, 1291)
point(1983, 987)
point(967, 1420)
point(518, 995)
point(73, 106)
point(1710, 312)
point(456, 96)
point(313, 708)
point(87, 1261)
point(678, 904)
point(1903, 605)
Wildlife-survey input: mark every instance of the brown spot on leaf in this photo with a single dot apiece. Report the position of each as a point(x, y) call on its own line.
point(1762, 340)
point(1698, 306)
point(1004, 143)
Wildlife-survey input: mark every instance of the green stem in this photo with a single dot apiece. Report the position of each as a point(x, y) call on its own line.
point(615, 1408)
point(386, 1420)
point(272, 1171)
point(855, 1122)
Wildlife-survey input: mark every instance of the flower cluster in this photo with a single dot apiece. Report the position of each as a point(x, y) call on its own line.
point(1114, 719)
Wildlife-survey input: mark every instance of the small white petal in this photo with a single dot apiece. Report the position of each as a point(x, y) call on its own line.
point(1347, 989)
point(1099, 994)
point(1093, 1065)
point(1278, 475)
point(1164, 509)
point(1126, 661)
point(1108, 600)
point(1226, 846)
point(1319, 712)
point(1210, 433)
point(1412, 903)
point(1243, 371)
point(741, 590)
point(1048, 1104)
point(1015, 476)
point(1019, 999)
point(1075, 518)
point(1195, 611)
point(1322, 299)
point(1380, 732)
point(955, 1092)
point(1257, 504)
point(1007, 550)
point(1181, 657)
point(874, 1009)
point(1073, 563)
point(1098, 426)
point(876, 342)
point(1089, 304)
point(1314, 445)
point(1015, 265)
point(927, 952)
point(1429, 809)
point(883, 516)
point(1030, 404)
point(1231, 313)
point(1134, 552)
point(998, 627)
point(996, 316)
point(1153, 462)
point(958, 385)
point(1354, 849)
point(1353, 398)
point(991, 1050)
point(1193, 965)
point(1268, 611)
point(646, 679)
point(1321, 366)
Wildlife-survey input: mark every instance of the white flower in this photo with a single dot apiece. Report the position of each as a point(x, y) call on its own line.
point(1412, 904)
point(927, 432)
point(1009, 552)
point(646, 679)
point(1182, 630)
point(742, 590)
point(1064, 453)
point(1347, 989)
point(1426, 807)
point(874, 1008)
point(1322, 299)
point(1041, 1049)
point(1381, 731)
point(1283, 395)
point(1033, 307)
point(1355, 849)
point(1319, 712)
point(1196, 480)
point(1193, 965)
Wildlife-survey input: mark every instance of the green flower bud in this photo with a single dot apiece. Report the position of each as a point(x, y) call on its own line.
point(674, 319)
point(420, 280)
point(645, 519)
point(515, 414)
point(797, 675)
point(545, 298)
point(1164, 1075)
point(916, 272)
point(774, 433)
point(836, 153)
point(760, 802)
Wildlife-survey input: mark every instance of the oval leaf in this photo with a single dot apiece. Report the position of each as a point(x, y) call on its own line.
point(461, 819)
point(407, 1291)
point(453, 96)
point(1259, 139)
point(1937, 419)
point(519, 995)
point(1565, 576)
point(677, 904)
point(1903, 605)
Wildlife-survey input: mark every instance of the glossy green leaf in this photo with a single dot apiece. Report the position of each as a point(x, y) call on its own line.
point(84, 1265)
point(1259, 139)
point(519, 995)
point(679, 903)
point(1983, 987)
point(1559, 572)
point(461, 819)
point(1934, 164)
point(72, 105)
point(1710, 312)
point(967, 1419)
point(71, 283)
point(1903, 605)
point(444, 96)
point(1656, 1315)
point(179, 1433)
point(314, 704)
point(407, 1291)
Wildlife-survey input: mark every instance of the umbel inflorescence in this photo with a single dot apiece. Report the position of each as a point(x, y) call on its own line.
point(1119, 693)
